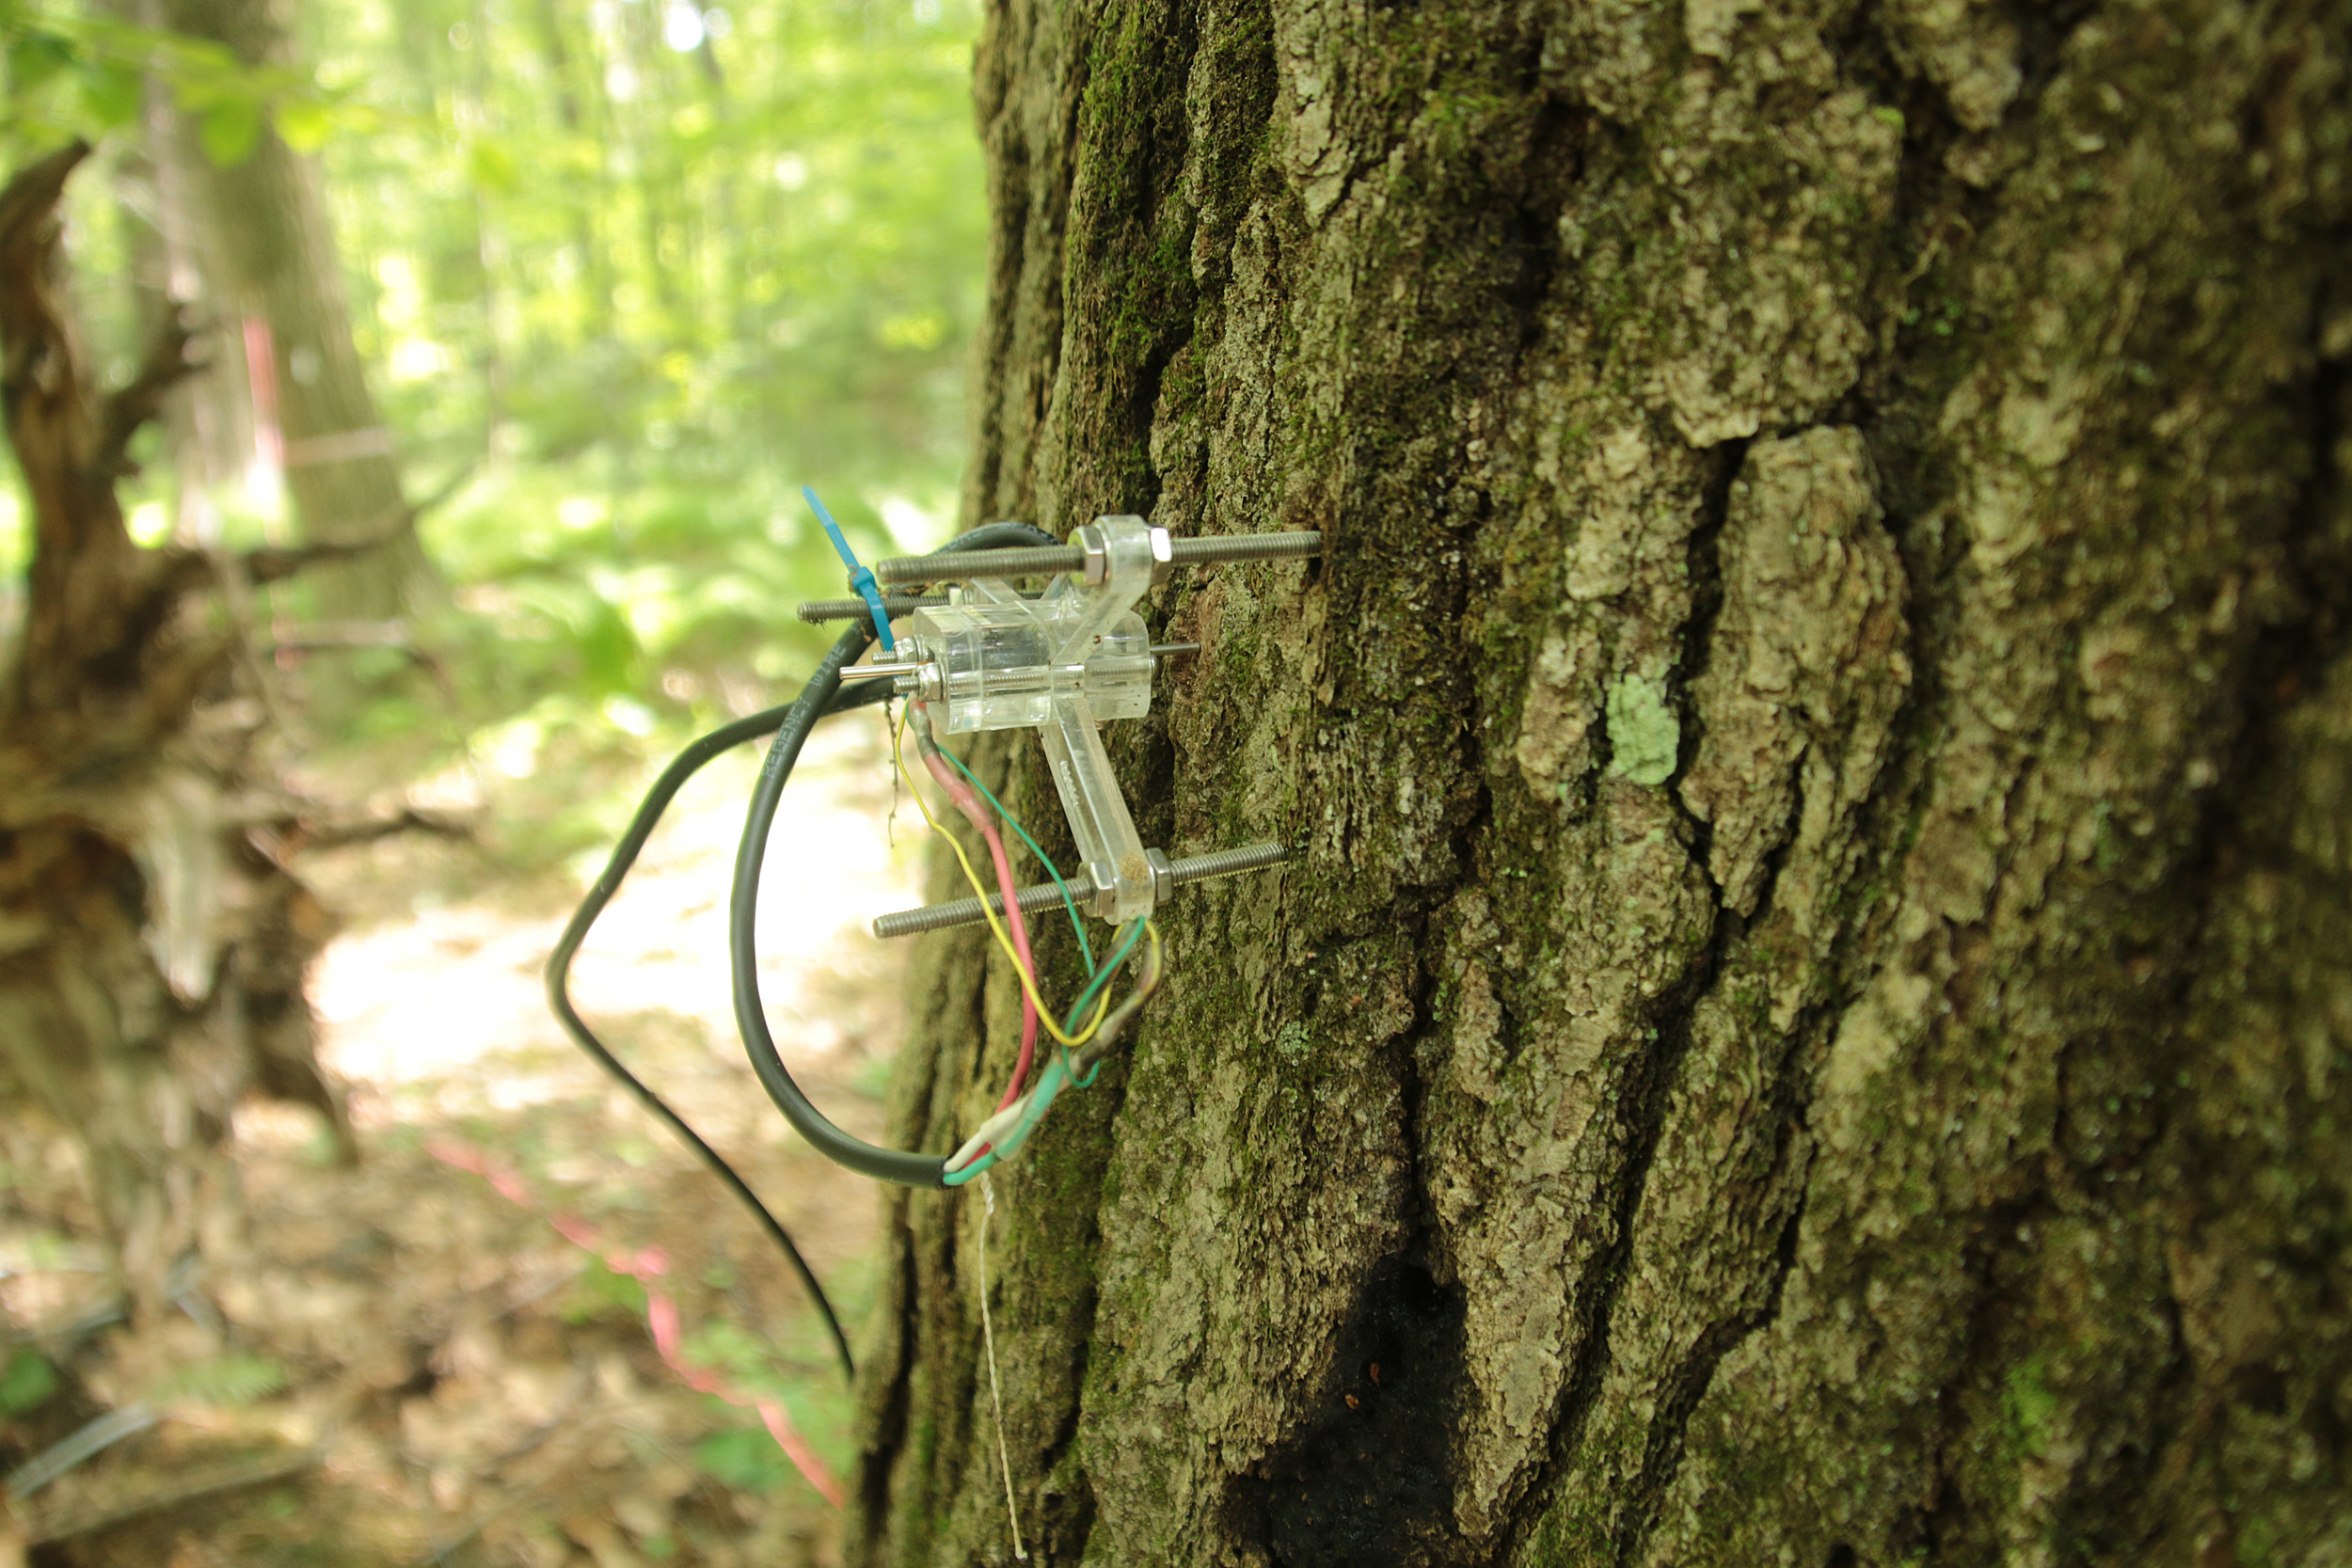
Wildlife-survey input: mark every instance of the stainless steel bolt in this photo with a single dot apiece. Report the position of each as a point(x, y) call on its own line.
point(1193, 868)
point(956, 566)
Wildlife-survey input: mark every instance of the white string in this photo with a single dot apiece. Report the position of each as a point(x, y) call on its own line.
point(987, 1338)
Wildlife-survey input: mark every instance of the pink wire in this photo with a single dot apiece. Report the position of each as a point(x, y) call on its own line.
point(969, 804)
point(647, 1266)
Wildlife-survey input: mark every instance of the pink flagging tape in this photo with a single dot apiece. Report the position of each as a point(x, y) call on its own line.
point(645, 1266)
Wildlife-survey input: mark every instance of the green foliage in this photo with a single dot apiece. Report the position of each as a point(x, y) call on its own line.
point(626, 274)
point(676, 284)
point(601, 1293)
point(745, 1458)
point(797, 1371)
point(27, 1382)
point(80, 73)
point(227, 1381)
point(229, 129)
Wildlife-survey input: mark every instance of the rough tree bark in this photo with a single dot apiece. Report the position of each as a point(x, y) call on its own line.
point(152, 945)
point(1814, 1024)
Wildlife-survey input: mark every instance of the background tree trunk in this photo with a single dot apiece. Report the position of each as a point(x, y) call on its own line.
point(152, 945)
point(269, 243)
point(1814, 1024)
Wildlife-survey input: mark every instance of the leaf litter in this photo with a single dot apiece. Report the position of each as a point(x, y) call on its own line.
point(396, 1363)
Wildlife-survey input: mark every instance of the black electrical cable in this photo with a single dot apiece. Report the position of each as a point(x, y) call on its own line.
point(632, 842)
point(657, 800)
point(751, 1019)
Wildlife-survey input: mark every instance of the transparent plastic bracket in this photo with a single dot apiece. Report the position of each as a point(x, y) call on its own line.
point(1060, 664)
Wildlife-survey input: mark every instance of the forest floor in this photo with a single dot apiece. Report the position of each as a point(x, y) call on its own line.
point(443, 1353)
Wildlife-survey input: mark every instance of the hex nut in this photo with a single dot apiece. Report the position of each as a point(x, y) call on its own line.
point(1096, 549)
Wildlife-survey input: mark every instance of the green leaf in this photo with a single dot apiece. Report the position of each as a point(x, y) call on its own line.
point(600, 1293)
point(111, 93)
point(304, 122)
point(35, 56)
point(491, 167)
point(230, 130)
point(607, 651)
point(27, 1382)
point(745, 1460)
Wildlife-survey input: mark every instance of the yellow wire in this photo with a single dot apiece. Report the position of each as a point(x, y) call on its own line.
point(1004, 939)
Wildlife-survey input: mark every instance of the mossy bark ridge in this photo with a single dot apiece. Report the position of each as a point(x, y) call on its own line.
point(1813, 1023)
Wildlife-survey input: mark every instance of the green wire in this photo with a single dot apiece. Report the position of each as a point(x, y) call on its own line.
point(1102, 978)
point(1092, 986)
point(1061, 1063)
point(1085, 949)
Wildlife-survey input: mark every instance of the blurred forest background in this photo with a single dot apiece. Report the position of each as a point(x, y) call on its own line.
point(579, 296)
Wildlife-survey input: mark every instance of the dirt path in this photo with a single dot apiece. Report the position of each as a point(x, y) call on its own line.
point(476, 1388)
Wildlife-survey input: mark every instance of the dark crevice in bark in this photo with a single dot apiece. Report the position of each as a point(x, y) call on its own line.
point(1008, 200)
point(2318, 556)
point(890, 1422)
point(1787, 1101)
point(1368, 1482)
point(1703, 556)
point(2042, 28)
point(975, 1063)
point(1065, 1528)
point(1777, 856)
point(1936, 214)
point(1555, 162)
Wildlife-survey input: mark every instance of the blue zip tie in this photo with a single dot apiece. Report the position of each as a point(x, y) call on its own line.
point(861, 578)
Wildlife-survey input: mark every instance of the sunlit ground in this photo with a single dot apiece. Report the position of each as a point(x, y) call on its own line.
point(471, 1387)
point(420, 1000)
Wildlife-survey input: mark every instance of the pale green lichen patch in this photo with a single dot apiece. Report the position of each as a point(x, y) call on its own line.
point(1643, 734)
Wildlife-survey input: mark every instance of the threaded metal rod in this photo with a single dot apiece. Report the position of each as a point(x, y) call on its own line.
point(1032, 560)
point(1043, 560)
point(967, 911)
point(1203, 549)
point(816, 612)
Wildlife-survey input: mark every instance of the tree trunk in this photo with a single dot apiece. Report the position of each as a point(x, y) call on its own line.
point(152, 945)
point(1813, 1025)
point(270, 242)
